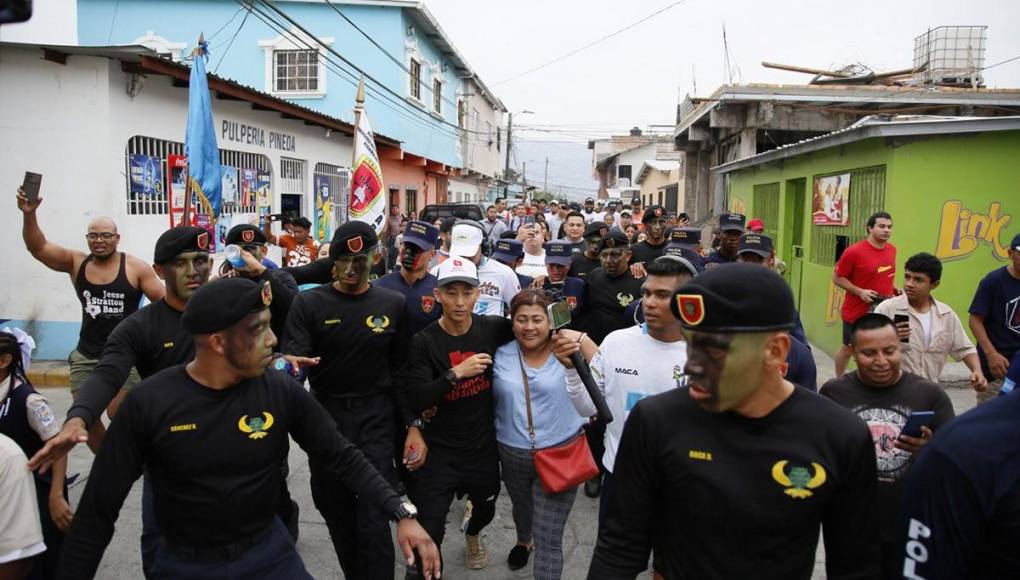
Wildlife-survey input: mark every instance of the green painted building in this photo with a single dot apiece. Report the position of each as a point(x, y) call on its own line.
point(951, 184)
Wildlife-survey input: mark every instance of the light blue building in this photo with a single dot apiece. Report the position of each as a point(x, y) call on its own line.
point(420, 89)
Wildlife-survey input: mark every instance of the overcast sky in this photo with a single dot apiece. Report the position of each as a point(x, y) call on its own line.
point(637, 77)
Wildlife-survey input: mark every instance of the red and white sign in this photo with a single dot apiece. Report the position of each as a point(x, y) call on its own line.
point(177, 180)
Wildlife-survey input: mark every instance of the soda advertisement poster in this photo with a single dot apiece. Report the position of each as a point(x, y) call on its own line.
point(177, 171)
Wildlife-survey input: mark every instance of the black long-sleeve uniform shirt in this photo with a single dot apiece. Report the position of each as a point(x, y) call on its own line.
point(465, 416)
point(360, 337)
point(153, 339)
point(719, 495)
point(606, 300)
point(318, 272)
point(213, 457)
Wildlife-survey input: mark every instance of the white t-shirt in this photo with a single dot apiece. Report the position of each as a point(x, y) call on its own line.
point(629, 366)
point(925, 324)
point(533, 266)
point(20, 527)
point(497, 286)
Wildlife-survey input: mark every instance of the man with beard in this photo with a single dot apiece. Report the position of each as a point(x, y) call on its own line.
point(581, 263)
point(357, 331)
point(731, 226)
point(109, 285)
point(884, 396)
point(610, 289)
point(732, 475)
point(211, 434)
point(654, 221)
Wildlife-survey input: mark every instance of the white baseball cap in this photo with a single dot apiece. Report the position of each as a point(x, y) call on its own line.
point(457, 269)
point(465, 240)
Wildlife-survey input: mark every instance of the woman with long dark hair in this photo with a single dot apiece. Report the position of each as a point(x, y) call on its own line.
point(539, 516)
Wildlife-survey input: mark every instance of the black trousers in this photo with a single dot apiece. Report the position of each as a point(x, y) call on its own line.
point(473, 472)
point(360, 531)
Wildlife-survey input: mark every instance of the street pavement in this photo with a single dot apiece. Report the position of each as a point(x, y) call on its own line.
point(122, 558)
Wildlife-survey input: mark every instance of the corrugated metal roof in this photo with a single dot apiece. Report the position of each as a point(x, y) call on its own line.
point(878, 126)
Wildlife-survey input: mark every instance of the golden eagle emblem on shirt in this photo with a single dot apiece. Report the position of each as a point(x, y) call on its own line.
point(625, 299)
point(256, 427)
point(798, 481)
point(378, 324)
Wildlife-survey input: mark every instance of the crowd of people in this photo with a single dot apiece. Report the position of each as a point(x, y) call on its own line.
point(426, 366)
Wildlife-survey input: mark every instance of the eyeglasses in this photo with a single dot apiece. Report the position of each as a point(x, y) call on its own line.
point(105, 236)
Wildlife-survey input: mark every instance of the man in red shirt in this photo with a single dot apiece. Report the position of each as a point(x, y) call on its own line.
point(866, 271)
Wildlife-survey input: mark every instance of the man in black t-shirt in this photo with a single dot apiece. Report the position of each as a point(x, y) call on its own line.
point(583, 262)
point(211, 435)
point(450, 372)
point(654, 221)
point(884, 396)
point(732, 475)
point(995, 320)
point(356, 333)
point(610, 289)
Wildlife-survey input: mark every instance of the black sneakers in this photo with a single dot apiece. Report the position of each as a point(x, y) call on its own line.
point(518, 557)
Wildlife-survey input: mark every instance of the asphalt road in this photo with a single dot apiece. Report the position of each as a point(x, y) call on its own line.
point(122, 558)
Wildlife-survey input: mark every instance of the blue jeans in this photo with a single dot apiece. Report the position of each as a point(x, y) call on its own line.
point(273, 556)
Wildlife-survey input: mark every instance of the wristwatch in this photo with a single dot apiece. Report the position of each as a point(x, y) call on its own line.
point(451, 377)
point(417, 423)
point(405, 510)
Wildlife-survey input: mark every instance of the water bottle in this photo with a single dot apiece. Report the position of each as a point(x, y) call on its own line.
point(233, 255)
point(283, 365)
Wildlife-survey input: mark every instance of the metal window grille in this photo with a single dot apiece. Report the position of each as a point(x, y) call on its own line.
point(867, 196)
point(411, 197)
point(138, 204)
point(437, 96)
point(415, 69)
point(296, 71)
point(765, 206)
point(292, 176)
point(339, 179)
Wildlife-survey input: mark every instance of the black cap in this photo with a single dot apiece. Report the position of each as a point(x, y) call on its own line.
point(588, 200)
point(508, 251)
point(422, 234)
point(558, 252)
point(731, 221)
point(242, 234)
point(354, 237)
point(614, 239)
point(756, 243)
point(574, 206)
point(722, 300)
point(689, 256)
point(685, 237)
point(222, 303)
point(595, 229)
point(179, 240)
point(652, 212)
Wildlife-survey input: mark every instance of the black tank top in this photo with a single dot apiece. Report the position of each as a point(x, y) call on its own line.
point(103, 306)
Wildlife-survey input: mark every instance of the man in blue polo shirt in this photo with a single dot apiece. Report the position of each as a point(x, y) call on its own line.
point(412, 278)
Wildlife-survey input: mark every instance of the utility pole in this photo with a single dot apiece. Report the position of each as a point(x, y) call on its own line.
point(545, 184)
point(509, 144)
point(524, 180)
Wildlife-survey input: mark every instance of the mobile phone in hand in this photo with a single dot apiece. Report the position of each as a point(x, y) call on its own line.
point(31, 185)
point(915, 421)
point(899, 318)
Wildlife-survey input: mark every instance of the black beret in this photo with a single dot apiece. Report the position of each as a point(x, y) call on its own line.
point(614, 239)
point(245, 234)
point(652, 212)
point(354, 237)
point(735, 298)
point(595, 229)
point(179, 240)
point(222, 303)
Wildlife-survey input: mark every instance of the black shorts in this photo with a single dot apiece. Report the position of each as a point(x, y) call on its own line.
point(846, 332)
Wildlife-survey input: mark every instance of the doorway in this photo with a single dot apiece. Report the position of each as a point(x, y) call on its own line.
point(793, 252)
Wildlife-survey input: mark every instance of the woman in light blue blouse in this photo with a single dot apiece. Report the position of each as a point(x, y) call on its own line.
point(540, 517)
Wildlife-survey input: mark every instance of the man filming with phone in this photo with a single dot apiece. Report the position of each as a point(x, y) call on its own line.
point(109, 284)
point(885, 396)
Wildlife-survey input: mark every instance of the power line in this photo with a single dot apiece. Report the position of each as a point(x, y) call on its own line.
point(594, 43)
point(231, 43)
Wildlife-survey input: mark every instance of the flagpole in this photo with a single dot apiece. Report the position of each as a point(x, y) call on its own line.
point(359, 107)
point(186, 217)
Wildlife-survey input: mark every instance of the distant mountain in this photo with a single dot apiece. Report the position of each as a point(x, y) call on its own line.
point(570, 170)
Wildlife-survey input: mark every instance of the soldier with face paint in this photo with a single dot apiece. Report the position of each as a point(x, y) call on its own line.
point(655, 221)
point(356, 333)
point(732, 475)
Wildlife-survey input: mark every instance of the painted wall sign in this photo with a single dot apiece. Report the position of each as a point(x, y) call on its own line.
point(962, 230)
point(251, 135)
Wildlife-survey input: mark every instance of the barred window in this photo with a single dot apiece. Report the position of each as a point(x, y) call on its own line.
point(415, 69)
point(338, 179)
point(296, 71)
point(148, 176)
